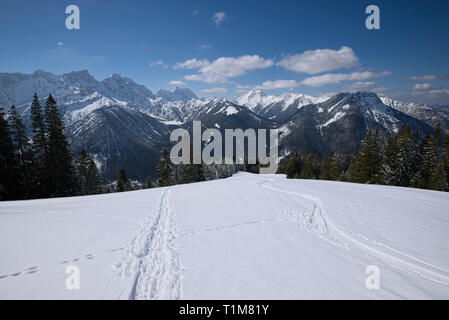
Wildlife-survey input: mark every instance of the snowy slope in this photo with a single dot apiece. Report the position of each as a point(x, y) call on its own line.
point(341, 123)
point(117, 135)
point(276, 239)
point(432, 115)
point(177, 94)
point(279, 107)
point(78, 93)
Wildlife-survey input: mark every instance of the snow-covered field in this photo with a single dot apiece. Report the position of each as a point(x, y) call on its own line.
point(246, 237)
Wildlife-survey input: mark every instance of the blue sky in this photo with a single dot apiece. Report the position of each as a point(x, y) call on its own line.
point(229, 47)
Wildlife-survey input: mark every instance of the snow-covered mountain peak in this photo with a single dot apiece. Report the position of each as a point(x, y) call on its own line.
point(406, 107)
point(253, 98)
point(82, 77)
point(255, 94)
point(367, 98)
point(432, 115)
point(42, 73)
point(176, 94)
point(275, 107)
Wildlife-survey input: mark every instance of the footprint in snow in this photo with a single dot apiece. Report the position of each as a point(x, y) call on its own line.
point(32, 271)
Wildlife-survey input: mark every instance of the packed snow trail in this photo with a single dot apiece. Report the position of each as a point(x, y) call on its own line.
point(318, 223)
point(152, 258)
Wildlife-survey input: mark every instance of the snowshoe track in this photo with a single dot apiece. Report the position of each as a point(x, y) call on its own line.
point(152, 257)
point(318, 223)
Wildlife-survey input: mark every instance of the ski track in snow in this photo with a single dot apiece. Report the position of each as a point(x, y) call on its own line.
point(317, 222)
point(152, 257)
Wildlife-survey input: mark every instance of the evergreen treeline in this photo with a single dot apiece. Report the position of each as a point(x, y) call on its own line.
point(41, 167)
point(402, 159)
point(88, 175)
point(169, 174)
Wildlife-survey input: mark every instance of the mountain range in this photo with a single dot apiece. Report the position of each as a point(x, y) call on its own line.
point(122, 123)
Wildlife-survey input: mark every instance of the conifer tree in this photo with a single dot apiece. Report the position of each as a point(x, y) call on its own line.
point(81, 170)
point(88, 175)
point(40, 147)
point(186, 173)
point(417, 181)
point(18, 132)
point(93, 178)
point(325, 168)
point(445, 157)
point(149, 184)
point(344, 161)
point(8, 162)
point(123, 183)
point(39, 137)
point(407, 156)
point(366, 167)
point(27, 179)
point(293, 167)
point(329, 168)
point(307, 167)
point(164, 169)
point(198, 173)
point(438, 134)
point(61, 176)
point(377, 151)
point(316, 165)
point(427, 162)
point(438, 178)
point(390, 164)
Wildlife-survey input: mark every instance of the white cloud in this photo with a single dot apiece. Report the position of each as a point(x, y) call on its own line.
point(431, 77)
point(61, 48)
point(422, 86)
point(365, 86)
point(215, 90)
point(335, 78)
point(425, 90)
point(195, 12)
point(191, 64)
point(239, 86)
point(428, 77)
point(206, 46)
point(359, 85)
point(380, 91)
point(158, 63)
point(435, 94)
point(218, 18)
point(220, 70)
point(177, 83)
point(431, 96)
point(321, 60)
point(277, 84)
